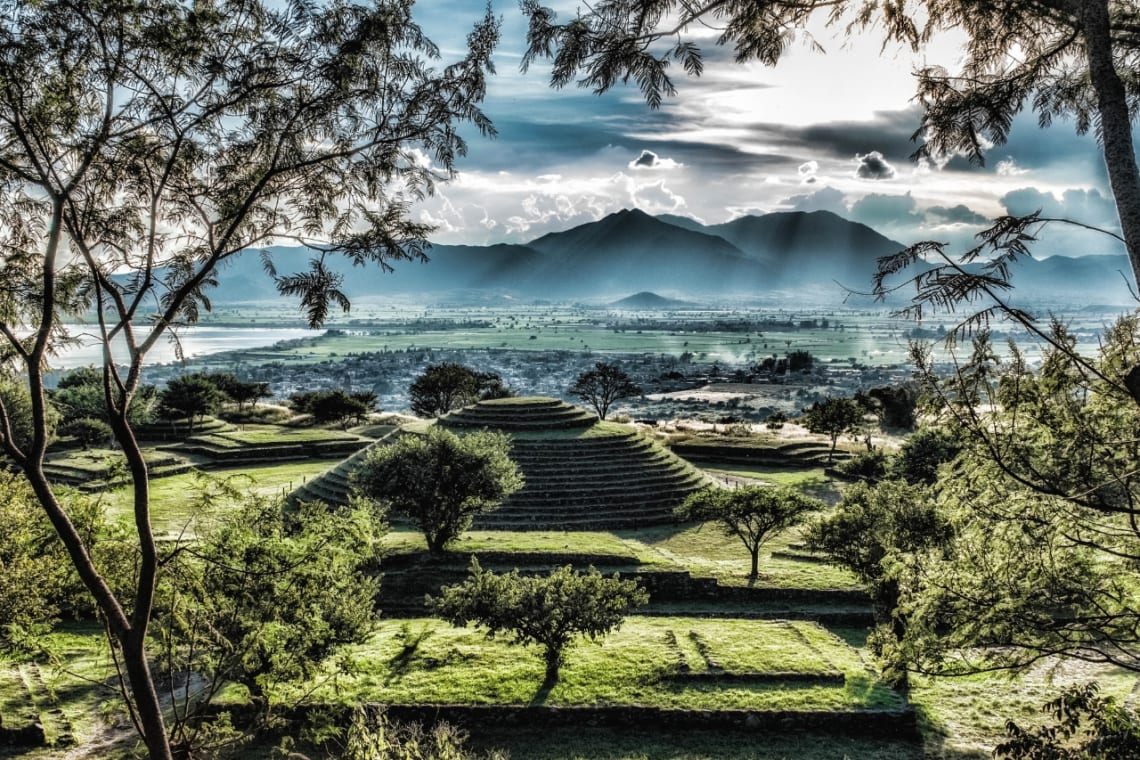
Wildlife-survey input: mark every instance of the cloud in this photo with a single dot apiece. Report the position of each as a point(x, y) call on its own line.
point(807, 172)
point(1009, 168)
point(891, 131)
point(960, 214)
point(1085, 206)
point(650, 160)
point(879, 210)
point(1075, 204)
point(873, 166)
point(824, 199)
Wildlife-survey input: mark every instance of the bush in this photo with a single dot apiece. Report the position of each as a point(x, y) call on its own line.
point(866, 465)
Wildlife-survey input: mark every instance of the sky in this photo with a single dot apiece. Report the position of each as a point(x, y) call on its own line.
point(828, 130)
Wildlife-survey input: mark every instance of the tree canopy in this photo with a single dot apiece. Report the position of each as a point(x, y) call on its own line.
point(545, 610)
point(602, 385)
point(440, 479)
point(834, 417)
point(441, 388)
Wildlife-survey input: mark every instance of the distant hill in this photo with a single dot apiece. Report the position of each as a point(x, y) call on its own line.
point(631, 251)
point(646, 301)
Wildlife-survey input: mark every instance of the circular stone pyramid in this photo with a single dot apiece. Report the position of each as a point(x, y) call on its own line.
point(581, 474)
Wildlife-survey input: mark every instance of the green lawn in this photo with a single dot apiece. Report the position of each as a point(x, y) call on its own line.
point(554, 543)
point(813, 481)
point(705, 550)
point(427, 661)
point(77, 684)
point(176, 501)
point(260, 434)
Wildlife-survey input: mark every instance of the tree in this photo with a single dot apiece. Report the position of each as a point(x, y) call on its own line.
point(237, 390)
point(833, 417)
point(443, 387)
point(145, 144)
point(877, 532)
point(88, 431)
point(754, 514)
point(601, 386)
point(799, 360)
point(37, 583)
point(335, 406)
point(545, 610)
point(1062, 58)
point(920, 455)
point(440, 479)
point(1043, 554)
point(189, 397)
point(262, 598)
point(79, 395)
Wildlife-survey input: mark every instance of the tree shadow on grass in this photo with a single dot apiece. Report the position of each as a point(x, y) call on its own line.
point(401, 662)
point(543, 692)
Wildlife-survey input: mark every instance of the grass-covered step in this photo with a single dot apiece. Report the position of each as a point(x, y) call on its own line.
point(22, 725)
point(798, 453)
point(425, 661)
point(526, 413)
point(177, 430)
point(266, 443)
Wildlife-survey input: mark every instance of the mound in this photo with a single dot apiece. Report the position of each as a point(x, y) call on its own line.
point(581, 474)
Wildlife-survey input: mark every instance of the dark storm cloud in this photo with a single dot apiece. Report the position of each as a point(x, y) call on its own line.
point(873, 166)
point(647, 159)
point(889, 132)
point(960, 214)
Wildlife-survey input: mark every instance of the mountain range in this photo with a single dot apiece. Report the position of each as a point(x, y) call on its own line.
point(631, 251)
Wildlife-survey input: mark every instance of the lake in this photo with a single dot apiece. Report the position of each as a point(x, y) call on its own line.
point(196, 342)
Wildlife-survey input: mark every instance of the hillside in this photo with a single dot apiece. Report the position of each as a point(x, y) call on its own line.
point(631, 251)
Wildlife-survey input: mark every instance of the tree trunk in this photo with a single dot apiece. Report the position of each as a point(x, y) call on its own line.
point(1115, 125)
point(755, 551)
point(143, 690)
point(553, 658)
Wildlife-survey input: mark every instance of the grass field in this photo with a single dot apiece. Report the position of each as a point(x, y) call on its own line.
point(427, 661)
point(176, 501)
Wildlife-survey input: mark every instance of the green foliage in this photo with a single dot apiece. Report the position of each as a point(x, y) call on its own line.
point(88, 431)
point(441, 388)
point(1086, 726)
point(882, 533)
point(263, 598)
point(372, 735)
point(546, 610)
point(894, 405)
point(1043, 505)
point(776, 421)
point(189, 396)
point(921, 454)
point(866, 465)
point(602, 385)
point(16, 418)
point(440, 479)
point(80, 395)
point(754, 514)
point(335, 406)
point(834, 417)
point(37, 581)
point(800, 360)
